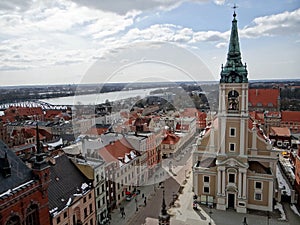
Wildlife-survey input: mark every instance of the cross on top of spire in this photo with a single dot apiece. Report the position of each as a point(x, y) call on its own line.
point(234, 7)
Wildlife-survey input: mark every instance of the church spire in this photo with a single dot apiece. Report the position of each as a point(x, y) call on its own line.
point(234, 70)
point(39, 162)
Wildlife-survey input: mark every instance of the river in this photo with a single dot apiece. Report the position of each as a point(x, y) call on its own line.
point(93, 99)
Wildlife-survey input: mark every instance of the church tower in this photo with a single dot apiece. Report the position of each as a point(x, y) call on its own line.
point(234, 164)
point(233, 124)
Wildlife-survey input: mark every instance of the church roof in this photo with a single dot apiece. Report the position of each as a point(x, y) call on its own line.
point(20, 173)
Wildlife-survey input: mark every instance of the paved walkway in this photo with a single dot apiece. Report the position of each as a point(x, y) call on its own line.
point(131, 206)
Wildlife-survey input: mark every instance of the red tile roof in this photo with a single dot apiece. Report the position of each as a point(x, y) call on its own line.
point(287, 116)
point(170, 139)
point(258, 116)
point(115, 150)
point(280, 131)
point(190, 112)
point(264, 96)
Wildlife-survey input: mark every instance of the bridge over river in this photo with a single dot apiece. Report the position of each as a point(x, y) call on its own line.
point(33, 103)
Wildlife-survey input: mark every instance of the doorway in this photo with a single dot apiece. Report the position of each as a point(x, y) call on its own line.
point(231, 200)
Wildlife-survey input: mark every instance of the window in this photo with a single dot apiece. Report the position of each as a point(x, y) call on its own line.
point(232, 132)
point(32, 215)
point(258, 185)
point(84, 200)
point(232, 147)
point(258, 196)
point(206, 179)
point(91, 208)
point(231, 178)
point(85, 213)
point(206, 190)
point(90, 195)
point(91, 222)
point(14, 220)
point(58, 220)
point(99, 204)
point(65, 214)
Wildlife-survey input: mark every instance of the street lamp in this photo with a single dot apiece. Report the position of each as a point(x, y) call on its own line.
point(268, 218)
point(210, 212)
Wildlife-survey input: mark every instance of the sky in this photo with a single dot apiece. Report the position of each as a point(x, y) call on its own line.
point(89, 41)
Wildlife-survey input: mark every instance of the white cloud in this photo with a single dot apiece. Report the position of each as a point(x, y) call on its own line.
point(124, 6)
point(221, 45)
point(285, 23)
point(49, 33)
point(219, 2)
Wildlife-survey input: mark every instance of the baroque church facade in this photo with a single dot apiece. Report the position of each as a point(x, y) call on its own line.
point(233, 163)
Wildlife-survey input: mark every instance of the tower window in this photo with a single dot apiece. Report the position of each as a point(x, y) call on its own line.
point(206, 179)
point(232, 132)
point(206, 190)
point(231, 147)
point(258, 185)
point(233, 103)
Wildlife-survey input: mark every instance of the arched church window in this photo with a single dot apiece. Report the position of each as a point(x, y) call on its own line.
point(233, 102)
point(32, 215)
point(14, 220)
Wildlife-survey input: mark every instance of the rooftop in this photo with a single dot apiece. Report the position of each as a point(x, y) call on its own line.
point(20, 173)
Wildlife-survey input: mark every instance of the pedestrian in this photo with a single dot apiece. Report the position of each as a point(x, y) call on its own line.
point(145, 201)
point(143, 195)
point(245, 221)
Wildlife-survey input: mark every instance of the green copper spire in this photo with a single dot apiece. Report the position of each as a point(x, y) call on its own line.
point(234, 70)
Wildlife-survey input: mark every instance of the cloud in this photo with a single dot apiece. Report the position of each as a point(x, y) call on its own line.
point(63, 32)
point(15, 5)
point(285, 23)
point(124, 6)
point(219, 2)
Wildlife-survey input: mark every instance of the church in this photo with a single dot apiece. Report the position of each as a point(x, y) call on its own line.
point(234, 165)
